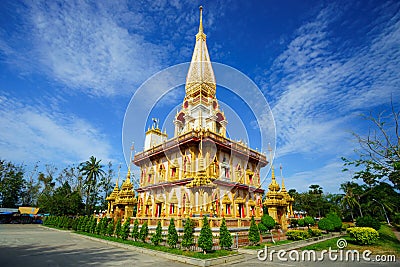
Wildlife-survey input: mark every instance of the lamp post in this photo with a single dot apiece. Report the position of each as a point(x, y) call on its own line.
point(383, 207)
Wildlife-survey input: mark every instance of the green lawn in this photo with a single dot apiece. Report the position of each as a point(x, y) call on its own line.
point(176, 251)
point(387, 243)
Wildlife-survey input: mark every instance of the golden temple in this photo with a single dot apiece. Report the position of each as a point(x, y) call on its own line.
point(199, 171)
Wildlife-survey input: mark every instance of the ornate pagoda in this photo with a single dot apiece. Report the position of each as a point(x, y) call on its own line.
point(199, 171)
point(121, 202)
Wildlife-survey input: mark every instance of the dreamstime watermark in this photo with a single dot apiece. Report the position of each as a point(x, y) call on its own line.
point(330, 254)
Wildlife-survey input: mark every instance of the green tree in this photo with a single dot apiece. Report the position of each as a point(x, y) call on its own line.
point(92, 170)
point(267, 223)
point(125, 229)
point(106, 186)
point(309, 221)
point(335, 219)
point(172, 238)
point(11, 184)
point(118, 228)
point(144, 232)
point(188, 234)
point(379, 151)
point(254, 235)
point(135, 230)
point(157, 236)
point(225, 237)
point(350, 200)
point(326, 224)
point(301, 222)
point(368, 221)
point(110, 227)
point(206, 238)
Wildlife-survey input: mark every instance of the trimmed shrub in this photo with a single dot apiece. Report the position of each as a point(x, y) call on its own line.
point(172, 237)
point(254, 235)
point(309, 221)
point(326, 224)
point(110, 228)
point(345, 226)
point(135, 230)
point(368, 221)
point(118, 228)
point(363, 235)
point(144, 232)
point(335, 219)
point(157, 236)
point(206, 238)
point(301, 222)
point(225, 237)
point(188, 234)
point(297, 234)
point(314, 232)
point(125, 229)
point(267, 223)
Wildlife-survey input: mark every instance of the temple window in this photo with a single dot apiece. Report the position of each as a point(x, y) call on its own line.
point(171, 208)
point(173, 172)
point(149, 178)
point(228, 209)
point(250, 179)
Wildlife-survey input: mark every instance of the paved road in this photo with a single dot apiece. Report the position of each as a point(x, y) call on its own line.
point(33, 245)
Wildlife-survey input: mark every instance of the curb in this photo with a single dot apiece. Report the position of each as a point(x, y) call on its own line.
point(169, 256)
point(193, 261)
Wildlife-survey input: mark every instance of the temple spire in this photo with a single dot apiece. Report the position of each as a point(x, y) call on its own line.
point(201, 20)
point(200, 79)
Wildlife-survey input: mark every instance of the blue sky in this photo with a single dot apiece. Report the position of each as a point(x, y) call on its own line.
point(68, 70)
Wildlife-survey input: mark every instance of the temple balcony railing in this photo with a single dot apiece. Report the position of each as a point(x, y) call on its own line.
point(197, 135)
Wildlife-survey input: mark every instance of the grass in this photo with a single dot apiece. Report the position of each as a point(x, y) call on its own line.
point(176, 251)
point(386, 244)
point(268, 244)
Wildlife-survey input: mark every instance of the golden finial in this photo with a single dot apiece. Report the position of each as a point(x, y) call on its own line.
point(201, 20)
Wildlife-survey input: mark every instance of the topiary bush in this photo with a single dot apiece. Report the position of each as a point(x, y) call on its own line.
point(110, 228)
point(314, 232)
point(206, 238)
point(267, 223)
point(254, 235)
point(325, 224)
point(301, 222)
point(225, 237)
point(363, 235)
point(188, 234)
point(172, 237)
point(157, 236)
point(125, 229)
point(135, 230)
point(118, 228)
point(368, 221)
point(335, 219)
point(297, 234)
point(309, 221)
point(144, 232)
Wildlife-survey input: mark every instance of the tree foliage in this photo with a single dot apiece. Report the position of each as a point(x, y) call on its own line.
point(172, 237)
point(11, 184)
point(254, 235)
point(206, 238)
point(379, 151)
point(144, 232)
point(135, 230)
point(125, 229)
point(225, 237)
point(157, 236)
point(92, 170)
point(188, 234)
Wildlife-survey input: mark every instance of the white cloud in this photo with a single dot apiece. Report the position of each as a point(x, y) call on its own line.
point(319, 87)
point(31, 133)
point(101, 48)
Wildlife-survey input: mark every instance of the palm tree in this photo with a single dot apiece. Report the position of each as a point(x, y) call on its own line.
point(349, 200)
point(92, 170)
